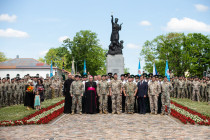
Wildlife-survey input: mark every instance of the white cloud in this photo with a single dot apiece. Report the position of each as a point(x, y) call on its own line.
point(43, 53)
point(132, 46)
point(6, 17)
point(145, 23)
point(201, 8)
point(13, 33)
point(186, 24)
point(62, 38)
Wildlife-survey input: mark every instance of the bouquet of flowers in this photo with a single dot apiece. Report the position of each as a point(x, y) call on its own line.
point(30, 88)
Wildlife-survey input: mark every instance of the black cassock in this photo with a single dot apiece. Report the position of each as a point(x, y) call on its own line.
point(68, 98)
point(90, 97)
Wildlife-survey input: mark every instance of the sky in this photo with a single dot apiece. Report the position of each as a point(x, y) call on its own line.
point(30, 28)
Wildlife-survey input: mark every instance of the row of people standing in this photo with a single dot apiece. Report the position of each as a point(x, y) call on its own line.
point(107, 95)
point(14, 91)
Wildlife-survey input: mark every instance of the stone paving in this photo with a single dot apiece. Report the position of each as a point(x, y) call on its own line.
point(124, 126)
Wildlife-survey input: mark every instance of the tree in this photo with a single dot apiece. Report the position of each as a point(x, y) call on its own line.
point(84, 46)
point(41, 59)
point(2, 57)
point(184, 53)
point(126, 70)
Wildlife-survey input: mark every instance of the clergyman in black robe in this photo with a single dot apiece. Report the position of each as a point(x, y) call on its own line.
point(91, 96)
point(66, 93)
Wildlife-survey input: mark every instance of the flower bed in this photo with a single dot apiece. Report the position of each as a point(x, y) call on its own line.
point(186, 115)
point(42, 116)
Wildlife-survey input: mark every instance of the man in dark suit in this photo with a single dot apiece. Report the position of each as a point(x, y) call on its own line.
point(141, 92)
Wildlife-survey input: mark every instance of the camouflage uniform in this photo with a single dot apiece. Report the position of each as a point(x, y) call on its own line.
point(176, 81)
point(196, 93)
point(13, 99)
point(4, 93)
point(203, 91)
point(185, 89)
point(116, 91)
point(103, 91)
point(1, 95)
point(18, 93)
point(180, 89)
point(76, 90)
point(166, 88)
point(189, 88)
point(56, 88)
point(172, 92)
point(208, 91)
point(130, 88)
point(153, 92)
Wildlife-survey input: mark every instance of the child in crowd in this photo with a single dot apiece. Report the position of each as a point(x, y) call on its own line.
point(37, 103)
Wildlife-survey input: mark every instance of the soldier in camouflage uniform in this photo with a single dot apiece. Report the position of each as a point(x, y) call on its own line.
point(153, 92)
point(196, 88)
point(1, 95)
point(103, 93)
point(115, 90)
point(203, 90)
point(9, 93)
point(76, 91)
point(55, 86)
point(18, 92)
point(180, 88)
point(129, 92)
point(166, 88)
point(185, 88)
point(208, 90)
point(13, 96)
point(175, 86)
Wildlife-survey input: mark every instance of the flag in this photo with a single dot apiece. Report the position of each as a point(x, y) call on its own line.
point(139, 69)
point(154, 69)
point(84, 70)
point(167, 71)
point(51, 70)
point(72, 67)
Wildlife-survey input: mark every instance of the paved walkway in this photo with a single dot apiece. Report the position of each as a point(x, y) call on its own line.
point(124, 126)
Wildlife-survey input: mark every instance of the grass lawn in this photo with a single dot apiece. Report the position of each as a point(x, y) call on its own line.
point(17, 112)
point(200, 107)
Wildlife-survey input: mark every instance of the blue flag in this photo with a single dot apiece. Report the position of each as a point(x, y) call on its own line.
point(167, 71)
point(51, 70)
point(154, 69)
point(139, 69)
point(84, 70)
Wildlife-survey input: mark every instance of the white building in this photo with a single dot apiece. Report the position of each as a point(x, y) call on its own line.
point(24, 66)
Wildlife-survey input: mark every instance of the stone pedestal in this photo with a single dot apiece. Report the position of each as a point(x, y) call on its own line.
point(115, 64)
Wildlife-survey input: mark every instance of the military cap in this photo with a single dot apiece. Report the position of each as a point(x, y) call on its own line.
point(76, 76)
point(137, 76)
point(122, 75)
point(160, 76)
point(103, 76)
point(132, 76)
point(147, 76)
point(125, 75)
point(156, 76)
point(110, 74)
point(144, 74)
point(84, 76)
point(115, 73)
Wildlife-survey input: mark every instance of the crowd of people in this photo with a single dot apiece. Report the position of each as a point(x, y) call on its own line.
point(26, 90)
point(130, 94)
point(147, 93)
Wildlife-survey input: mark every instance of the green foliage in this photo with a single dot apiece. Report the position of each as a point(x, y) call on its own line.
point(84, 46)
point(2, 57)
point(41, 59)
point(126, 70)
point(184, 53)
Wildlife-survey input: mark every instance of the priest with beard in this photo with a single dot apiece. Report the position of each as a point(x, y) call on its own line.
point(91, 96)
point(66, 93)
